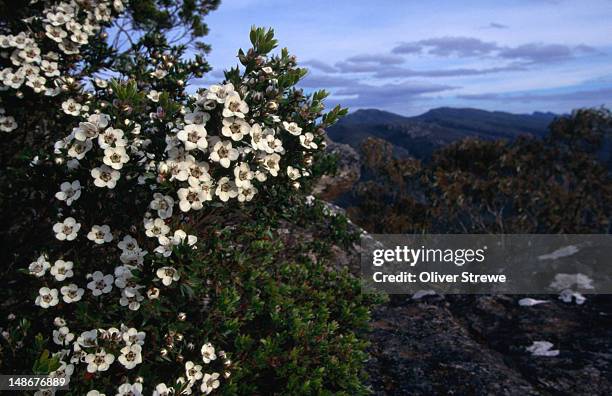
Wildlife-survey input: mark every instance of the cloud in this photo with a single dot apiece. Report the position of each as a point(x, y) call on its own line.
point(593, 96)
point(495, 25)
point(544, 53)
point(377, 59)
point(387, 95)
point(349, 67)
point(448, 46)
point(318, 81)
point(407, 48)
point(470, 47)
point(391, 72)
point(322, 66)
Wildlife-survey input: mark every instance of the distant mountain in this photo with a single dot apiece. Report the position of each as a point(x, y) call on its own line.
point(419, 136)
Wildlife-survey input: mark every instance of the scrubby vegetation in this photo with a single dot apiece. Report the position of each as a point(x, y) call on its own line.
point(558, 184)
point(146, 225)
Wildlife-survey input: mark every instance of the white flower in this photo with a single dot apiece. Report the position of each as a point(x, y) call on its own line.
point(100, 83)
point(63, 336)
point(292, 128)
point(7, 123)
point(153, 95)
point(194, 137)
point(100, 283)
point(159, 74)
point(63, 371)
point(115, 157)
point(271, 144)
point(69, 192)
point(163, 390)
point(131, 297)
point(105, 176)
point(55, 33)
point(193, 371)
point(181, 236)
point(163, 204)
point(307, 140)
point(94, 393)
point(208, 353)
point(153, 293)
point(13, 80)
point(226, 189)
point(100, 234)
point(190, 198)
point(235, 128)
point(88, 339)
point(130, 389)
point(197, 117)
point(155, 228)
point(62, 270)
point(50, 68)
point(243, 175)
point(271, 163)
point(131, 356)
point(71, 293)
point(246, 193)
point(39, 267)
point(99, 361)
point(47, 297)
point(71, 107)
point(128, 244)
point(92, 127)
point(78, 149)
point(111, 138)
point(260, 176)
point(37, 83)
point(293, 173)
point(133, 336)
point(235, 107)
point(67, 229)
point(256, 136)
point(210, 382)
point(223, 153)
point(220, 92)
point(168, 275)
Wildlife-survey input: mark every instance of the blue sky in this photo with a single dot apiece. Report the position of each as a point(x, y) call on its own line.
point(411, 56)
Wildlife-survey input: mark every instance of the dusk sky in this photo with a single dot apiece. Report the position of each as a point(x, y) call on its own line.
point(408, 57)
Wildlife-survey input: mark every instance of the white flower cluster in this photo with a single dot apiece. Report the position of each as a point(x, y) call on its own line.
point(227, 145)
point(66, 25)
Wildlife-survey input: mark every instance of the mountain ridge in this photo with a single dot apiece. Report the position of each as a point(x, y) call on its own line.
point(419, 136)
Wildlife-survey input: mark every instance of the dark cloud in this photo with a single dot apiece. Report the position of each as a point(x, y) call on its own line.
point(544, 53)
point(447, 46)
point(473, 47)
point(376, 58)
point(495, 25)
point(318, 81)
point(349, 67)
point(388, 95)
point(408, 48)
point(593, 97)
point(391, 72)
point(316, 64)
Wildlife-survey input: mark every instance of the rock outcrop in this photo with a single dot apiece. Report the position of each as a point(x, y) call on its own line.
point(348, 173)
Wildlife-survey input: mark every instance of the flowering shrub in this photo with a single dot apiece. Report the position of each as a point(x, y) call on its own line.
point(41, 54)
point(144, 282)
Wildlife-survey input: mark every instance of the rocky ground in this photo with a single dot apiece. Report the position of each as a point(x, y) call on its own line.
point(476, 345)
